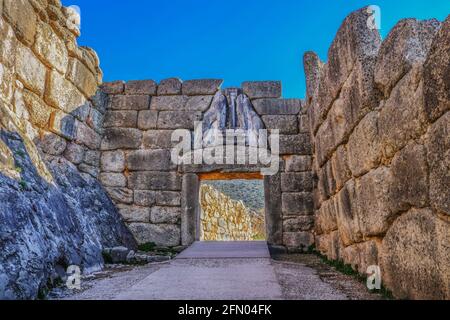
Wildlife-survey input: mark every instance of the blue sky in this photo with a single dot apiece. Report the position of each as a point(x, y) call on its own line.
point(234, 40)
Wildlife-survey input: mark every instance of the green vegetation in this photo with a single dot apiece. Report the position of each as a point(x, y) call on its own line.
point(347, 269)
point(147, 247)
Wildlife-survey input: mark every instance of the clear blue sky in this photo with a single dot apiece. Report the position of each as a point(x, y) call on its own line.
point(235, 40)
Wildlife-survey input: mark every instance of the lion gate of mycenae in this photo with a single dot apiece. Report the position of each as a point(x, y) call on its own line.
point(159, 198)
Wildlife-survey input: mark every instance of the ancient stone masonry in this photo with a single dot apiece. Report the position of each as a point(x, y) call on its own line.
point(53, 212)
point(380, 123)
point(158, 199)
point(226, 219)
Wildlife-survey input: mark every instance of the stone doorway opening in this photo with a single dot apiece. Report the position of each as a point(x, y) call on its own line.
point(232, 209)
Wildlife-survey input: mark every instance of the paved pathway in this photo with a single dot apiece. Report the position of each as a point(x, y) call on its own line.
point(222, 270)
point(217, 270)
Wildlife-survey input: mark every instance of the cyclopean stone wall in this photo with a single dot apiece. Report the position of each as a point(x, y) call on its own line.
point(147, 187)
point(380, 123)
point(53, 212)
point(227, 219)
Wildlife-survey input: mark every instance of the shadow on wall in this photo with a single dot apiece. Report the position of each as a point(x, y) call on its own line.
point(50, 217)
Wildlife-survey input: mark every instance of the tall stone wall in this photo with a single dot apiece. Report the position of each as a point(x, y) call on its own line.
point(380, 123)
point(53, 211)
point(137, 171)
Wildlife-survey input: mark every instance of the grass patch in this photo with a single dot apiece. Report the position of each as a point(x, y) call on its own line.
point(147, 247)
point(347, 269)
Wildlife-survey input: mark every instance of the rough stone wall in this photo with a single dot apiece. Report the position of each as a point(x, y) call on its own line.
point(380, 123)
point(137, 171)
point(225, 219)
point(51, 213)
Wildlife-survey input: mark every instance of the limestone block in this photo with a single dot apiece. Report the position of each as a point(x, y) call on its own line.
point(346, 215)
point(417, 247)
point(303, 123)
point(121, 195)
point(63, 125)
point(158, 139)
point(87, 136)
point(201, 87)
point(198, 103)
point(169, 103)
point(147, 119)
point(82, 112)
point(82, 77)
point(296, 182)
point(148, 87)
point(373, 202)
point(122, 118)
point(110, 179)
point(144, 198)
point(62, 94)
point(30, 70)
point(100, 101)
point(326, 217)
point(298, 240)
point(364, 148)
point(74, 153)
point(169, 181)
point(168, 198)
point(402, 117)
point(91, 170)
point(312, 67)
point(95, 119)
point(92, 157)
point(295, 224)
point(407, 44)
point(53, 144)
point(409, 187)
point(171, 86)
point(297, 204)
point(354, 41)
point(339, 164)
point(286, 124)
point(170, 215)
point(130, 102)
point(50, 48)
point(39, 112)
point(121, 138)
point(277, 106)
point(362, 255)
point(438, 149)
point(262, 89)
point(9, 44)
point(161, 234)
point(298, 163)
point(436, 70)
point(295, 144)
point(113, 161)
point(116, 87)
point(178, 119)
point(146, 160)
point(6, 84)
point(132, 213)
point(21, 15)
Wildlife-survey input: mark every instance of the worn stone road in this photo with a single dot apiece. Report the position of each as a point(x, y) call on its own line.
point(216, 271)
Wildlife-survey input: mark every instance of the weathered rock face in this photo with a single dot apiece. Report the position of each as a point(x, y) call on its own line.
point(380, 126)
point(53, 212)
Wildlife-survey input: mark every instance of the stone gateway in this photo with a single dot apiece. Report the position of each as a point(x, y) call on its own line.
point(363, 160)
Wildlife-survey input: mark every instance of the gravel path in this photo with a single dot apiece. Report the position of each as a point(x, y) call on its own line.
point(288, 277)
